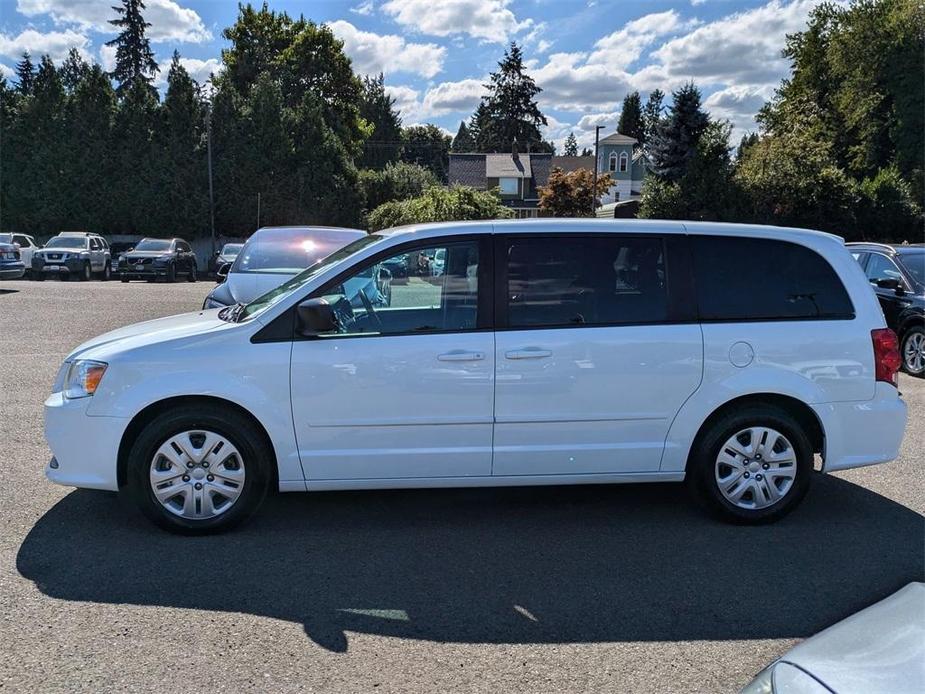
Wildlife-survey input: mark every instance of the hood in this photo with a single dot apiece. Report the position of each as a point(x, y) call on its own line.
point(5, 247)
point(247, 286)
point(879, 649)
point(75, 249)
point(149, 333)
point(134, 255)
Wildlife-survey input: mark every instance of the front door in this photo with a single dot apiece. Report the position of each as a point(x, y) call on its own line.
point(594, 358)
point(404, 388)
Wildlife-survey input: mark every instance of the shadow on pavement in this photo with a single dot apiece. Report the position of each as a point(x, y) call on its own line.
point(529, 565)
point(8, 291)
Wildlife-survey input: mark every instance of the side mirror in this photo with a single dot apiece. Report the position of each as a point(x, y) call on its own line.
point(316, 317)
point(222, 272)
point(891, 283)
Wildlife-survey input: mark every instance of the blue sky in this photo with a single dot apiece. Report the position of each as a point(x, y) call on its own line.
point(585, 54)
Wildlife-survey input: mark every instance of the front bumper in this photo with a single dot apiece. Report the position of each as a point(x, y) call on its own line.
point(85, 448)
point(12, 271)
point(57, 266)
point(149, 271)
point(863, 433)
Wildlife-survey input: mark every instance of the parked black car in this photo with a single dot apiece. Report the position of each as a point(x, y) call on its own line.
point(897, 274)
point(153, 259)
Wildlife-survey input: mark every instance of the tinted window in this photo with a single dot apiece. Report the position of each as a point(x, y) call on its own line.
point(290, 250)
point(67, 242)
point(763, 279)
point(183, 246)
point(95, 245)
point(577, 280)
point(914, 262)
point(879, 267)
point(433, 297)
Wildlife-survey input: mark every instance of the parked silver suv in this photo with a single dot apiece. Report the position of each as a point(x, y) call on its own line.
point(73, 254)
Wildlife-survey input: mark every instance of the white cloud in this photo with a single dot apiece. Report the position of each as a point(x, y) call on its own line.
point(169, 21)
point(55, 44)
point(623, 47)
point(7, 72)
point(742, 48)
point(448, 97)
point(199, 70)
point(490, 20)
point(364, 8)
point(590, 121)
point(543, 45)
point(373, 53)
point(108, 57)
point(738, 105)
point(406, 100)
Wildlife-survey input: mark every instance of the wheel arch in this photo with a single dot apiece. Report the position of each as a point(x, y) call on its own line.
point(146, 415)
point(799, 410)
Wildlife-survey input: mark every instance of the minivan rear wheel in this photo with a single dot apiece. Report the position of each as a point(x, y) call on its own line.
point(753, 465)
point(196, 470)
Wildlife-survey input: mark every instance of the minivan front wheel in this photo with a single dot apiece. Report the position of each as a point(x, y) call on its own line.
point(195, 471)
point(753, 466)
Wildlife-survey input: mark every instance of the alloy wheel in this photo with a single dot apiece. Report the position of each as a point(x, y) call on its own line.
point(197, 474)
point(755, 468)
point(914, 352)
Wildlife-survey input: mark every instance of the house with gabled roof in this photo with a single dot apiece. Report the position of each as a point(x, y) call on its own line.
point(618, 156)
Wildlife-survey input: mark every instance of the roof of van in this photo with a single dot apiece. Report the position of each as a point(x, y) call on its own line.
point(577, 225)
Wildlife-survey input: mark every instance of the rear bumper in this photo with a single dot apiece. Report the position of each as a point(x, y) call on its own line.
point(12, 271)
point(85, 448)
point(863, 433)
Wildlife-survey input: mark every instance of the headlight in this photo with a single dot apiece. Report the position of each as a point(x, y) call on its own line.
point(65, 256)
point(83, 378)
point(163, 259)
point(212, 303)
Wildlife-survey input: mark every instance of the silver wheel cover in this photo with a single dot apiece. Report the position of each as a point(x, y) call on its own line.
point(914, 352)
point(755, 468)
point(197, 474)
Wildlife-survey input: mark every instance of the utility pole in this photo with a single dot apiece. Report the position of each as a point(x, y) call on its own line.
point(209, 153)
point(597, 133)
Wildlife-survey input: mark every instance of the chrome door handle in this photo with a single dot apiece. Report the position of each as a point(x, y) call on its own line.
point(461, 355)
point(528, 353)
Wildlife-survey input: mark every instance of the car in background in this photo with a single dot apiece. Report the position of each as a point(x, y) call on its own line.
point(77, 254)
point(271, 256)
point(879, 650)
point(27, 246)
point(153, 259)
point(897, 274)
point(11, 265)
point(224, 256)
point(117, 249)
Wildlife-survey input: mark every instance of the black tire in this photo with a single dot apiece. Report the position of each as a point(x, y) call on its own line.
point(123, 278)
point(702, 462)
point(86, 273)
point(917, 333)
point(106, 275)
point(192, 276)
point(171, 273)
point(38, 276)
point(257, 459)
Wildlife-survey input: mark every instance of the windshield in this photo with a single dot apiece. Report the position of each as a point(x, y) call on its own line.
point(231, 249)
point(264, 302)
point(289, 250)
point(914, 262)
point(67, 242)
point(153, 245)
point(6, 238)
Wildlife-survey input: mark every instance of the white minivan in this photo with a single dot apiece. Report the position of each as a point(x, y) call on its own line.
point(553, 351)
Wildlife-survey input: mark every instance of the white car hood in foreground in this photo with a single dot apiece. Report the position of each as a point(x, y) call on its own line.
point(149, 332)
point(247, 286)
point(879, 649)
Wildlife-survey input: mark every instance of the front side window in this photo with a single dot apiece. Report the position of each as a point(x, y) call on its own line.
point(508, 186)
point(914, 262)
point(879, 267)
point(438, 294)
point(741, 279)
point(572, 281)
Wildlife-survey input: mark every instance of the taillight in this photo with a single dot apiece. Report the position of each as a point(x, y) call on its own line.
point(886, 355)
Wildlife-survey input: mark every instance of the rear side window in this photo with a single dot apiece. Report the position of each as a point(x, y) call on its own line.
point(765, 279)
point(595, 280)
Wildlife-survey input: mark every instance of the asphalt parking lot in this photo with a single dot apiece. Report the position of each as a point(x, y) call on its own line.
point(624, 588)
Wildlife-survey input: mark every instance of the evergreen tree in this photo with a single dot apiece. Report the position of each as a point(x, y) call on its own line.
point(571, 145)
point(478, 124)
point(427, 146)
point(652, 115)
point(378, 109)
point(73, 70)
point(748, 139)
point(25, 74)
point(134, 58)
point(463, 142)
point(513, 113)
point(676, 138)
point(587, 152)
point(631, 120)
point(135, 168)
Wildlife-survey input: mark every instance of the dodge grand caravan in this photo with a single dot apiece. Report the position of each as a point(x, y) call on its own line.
point(546, 352)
